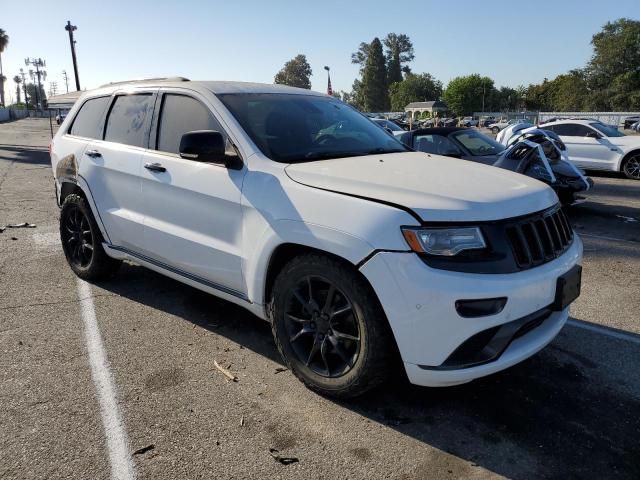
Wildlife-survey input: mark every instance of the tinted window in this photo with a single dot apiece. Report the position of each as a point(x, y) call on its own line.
point(128, 118)
point(298, 128)
point(436, 144)
point(181, 114)
point(89, 117)
point(570, 130)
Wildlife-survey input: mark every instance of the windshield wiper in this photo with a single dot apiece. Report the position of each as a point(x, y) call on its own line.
point(329, 155)
point(384, 150)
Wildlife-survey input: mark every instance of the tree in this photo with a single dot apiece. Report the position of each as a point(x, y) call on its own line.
point(414, 88)
point(17, 81)
point(4, 41)
point(399, 51)
point(374, 79)
point(295, 73)
point(360, 56)
point(31, 92)
point(464, 94)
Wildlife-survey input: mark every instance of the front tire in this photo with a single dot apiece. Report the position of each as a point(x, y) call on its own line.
point(82, 241)
point(330, 328)
point(631, 167)
point(495, 130)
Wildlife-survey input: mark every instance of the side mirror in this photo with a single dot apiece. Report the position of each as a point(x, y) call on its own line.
point(203, 146)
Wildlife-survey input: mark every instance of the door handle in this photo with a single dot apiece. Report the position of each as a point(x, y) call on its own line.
point(155, 167)
point(93, 153)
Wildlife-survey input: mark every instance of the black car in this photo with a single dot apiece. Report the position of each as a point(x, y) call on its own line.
point(470, 144)
point(630, 121)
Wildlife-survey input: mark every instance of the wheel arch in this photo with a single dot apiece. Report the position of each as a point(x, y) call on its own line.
point(79, 187)
point(626, 157)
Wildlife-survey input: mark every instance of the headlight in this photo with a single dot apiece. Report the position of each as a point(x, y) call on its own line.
point(443, 241)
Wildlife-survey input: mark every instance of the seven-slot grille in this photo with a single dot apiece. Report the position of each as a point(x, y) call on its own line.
point(540, 238)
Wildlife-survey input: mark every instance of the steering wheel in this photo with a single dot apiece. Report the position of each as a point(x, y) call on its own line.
point(324, 139)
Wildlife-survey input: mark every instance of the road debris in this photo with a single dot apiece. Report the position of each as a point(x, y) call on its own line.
point(242, 421)
point(283, 460)
point(225, 372)
point(281, 369)
point(143, 450)
point(18, 225)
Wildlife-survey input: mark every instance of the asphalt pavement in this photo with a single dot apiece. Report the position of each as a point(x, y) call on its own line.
point(570, 411)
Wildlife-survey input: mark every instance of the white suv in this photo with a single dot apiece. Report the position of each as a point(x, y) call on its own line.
point(593, 145)
point(295, 206)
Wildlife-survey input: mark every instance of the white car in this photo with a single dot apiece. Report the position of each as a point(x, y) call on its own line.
point(501, 125)
point(363, 255)
point(468, 122)
point(592, 145)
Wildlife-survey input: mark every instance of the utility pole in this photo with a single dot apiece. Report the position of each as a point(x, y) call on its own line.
point(53, 89)
point(72, 28)
point(40, 72)
point(66, 79)
point(24, 87)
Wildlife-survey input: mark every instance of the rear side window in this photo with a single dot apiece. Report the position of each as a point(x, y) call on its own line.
point(181, 114)
point(88, 118)
point(128, 119)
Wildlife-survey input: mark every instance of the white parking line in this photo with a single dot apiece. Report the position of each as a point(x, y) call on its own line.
point(117, 443)
point(582, 234)
point(609, 332)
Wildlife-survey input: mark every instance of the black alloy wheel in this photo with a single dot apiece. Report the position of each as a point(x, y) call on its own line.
point(322, 327)
point(77, 237)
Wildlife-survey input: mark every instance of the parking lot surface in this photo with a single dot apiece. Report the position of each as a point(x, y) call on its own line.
point(569, 412)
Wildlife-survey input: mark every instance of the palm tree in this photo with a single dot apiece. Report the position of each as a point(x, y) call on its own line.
point(17, 81)
point(4, 41)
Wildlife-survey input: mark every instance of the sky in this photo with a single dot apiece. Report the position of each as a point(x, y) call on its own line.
point(512, 42)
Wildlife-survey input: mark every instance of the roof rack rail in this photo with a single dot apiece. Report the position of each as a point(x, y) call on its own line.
point(144, 80)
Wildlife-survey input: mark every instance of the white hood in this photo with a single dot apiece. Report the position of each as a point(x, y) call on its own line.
point(436, 188)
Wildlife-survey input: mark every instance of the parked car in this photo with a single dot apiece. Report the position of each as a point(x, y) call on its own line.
point(468, 122)
point(472, 145)
point(361, 254)
point(389, 126)
point(592, 145)
point(60, 118)
point(635, 127)
point(487, 122)
point(497, 126)
point(629, 121)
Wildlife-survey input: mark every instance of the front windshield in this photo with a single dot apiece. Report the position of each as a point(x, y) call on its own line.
point(292, 128)
point(477, 143)
point(607, 130)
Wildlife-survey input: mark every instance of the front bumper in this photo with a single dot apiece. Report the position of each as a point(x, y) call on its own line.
point(419, 302)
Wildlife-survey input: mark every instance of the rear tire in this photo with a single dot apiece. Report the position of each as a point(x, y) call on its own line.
point(330, 328)
point(495, 130)
point(82, 241)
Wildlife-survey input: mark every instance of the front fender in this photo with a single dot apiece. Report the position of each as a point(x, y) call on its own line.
point(336, 242)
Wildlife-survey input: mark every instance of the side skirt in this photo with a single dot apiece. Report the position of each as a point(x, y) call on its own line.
point(217, 290)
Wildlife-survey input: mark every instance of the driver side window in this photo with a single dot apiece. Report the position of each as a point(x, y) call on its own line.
point(180, 114)
point(436, 144)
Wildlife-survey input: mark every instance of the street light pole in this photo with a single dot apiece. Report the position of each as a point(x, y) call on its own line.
point(66, 79)
point(72, 28)
point(329, 89)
